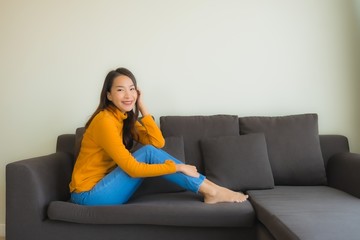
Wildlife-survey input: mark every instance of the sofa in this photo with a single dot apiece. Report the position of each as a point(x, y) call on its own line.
point(301, 185)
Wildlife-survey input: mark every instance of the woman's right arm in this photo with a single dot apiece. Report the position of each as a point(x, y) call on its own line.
point(105, 132)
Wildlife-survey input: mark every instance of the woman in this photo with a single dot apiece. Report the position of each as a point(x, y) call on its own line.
point(107, 173)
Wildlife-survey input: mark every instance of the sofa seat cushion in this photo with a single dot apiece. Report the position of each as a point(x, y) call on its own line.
point(308, 213)
point(168, 209)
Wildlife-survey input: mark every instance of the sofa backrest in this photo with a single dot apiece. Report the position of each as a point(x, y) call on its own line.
point(194, 128)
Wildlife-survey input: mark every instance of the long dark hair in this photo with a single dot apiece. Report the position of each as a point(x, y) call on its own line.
point(132, 116)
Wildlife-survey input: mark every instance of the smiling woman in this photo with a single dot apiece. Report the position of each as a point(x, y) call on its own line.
point(106, 171)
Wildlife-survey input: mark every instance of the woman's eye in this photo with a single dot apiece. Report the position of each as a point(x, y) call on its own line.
point(132, 89)
point(120, 90)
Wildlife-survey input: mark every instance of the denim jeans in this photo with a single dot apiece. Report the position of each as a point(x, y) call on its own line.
point(117, 187)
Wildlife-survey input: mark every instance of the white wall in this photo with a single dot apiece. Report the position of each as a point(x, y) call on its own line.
point(255, 57)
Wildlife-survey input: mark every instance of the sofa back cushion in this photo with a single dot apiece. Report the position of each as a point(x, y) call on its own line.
point(195, 128)
point(293, 147)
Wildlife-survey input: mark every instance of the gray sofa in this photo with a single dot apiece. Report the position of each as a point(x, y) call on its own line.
point(301, 186)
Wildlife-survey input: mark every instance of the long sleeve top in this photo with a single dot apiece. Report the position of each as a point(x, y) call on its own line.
point(102, 150)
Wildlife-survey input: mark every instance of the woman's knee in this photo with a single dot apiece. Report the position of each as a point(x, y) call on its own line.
point(144, 153)
point(150, 148)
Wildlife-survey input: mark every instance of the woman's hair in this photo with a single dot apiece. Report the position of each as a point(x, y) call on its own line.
point(132, 115)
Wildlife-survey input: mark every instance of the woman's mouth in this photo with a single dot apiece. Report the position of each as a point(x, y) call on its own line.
point(127, 102)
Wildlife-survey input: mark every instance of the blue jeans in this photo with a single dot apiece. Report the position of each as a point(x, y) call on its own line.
point(117, 187)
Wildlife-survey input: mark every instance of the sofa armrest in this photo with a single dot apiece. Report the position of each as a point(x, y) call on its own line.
point(333, 144)
point(343, 172)
point(31, 185)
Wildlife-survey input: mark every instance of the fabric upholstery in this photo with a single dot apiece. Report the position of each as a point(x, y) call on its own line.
point(33, 184)
point(66, 143)
point(308, 212)
point(343, 172)
point(159, 209)
point(195, 128)
point(333, 144)
point(293, 146)
point(238, 162)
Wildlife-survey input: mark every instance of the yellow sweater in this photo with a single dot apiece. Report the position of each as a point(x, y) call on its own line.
point(102, 150)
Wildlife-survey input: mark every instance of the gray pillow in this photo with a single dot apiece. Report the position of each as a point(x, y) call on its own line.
point(293, 147)
point(239, 163)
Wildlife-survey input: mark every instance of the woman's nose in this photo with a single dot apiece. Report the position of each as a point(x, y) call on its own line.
point(127, 94)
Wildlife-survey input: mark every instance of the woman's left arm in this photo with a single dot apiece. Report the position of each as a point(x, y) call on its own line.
point(147, 132)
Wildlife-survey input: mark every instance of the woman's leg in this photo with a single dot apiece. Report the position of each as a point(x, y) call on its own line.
point(115, 188)
point(212, 192)
point(151, 155)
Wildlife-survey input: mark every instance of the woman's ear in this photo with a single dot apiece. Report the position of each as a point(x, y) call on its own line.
point(109, 96)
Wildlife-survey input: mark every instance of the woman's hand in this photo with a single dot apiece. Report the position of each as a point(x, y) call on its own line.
point(189, 170)
point(140, 103)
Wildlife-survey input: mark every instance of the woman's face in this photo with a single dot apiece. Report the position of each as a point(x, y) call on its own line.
point(123, 93)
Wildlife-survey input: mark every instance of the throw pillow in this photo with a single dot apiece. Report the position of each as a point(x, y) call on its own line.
point(239, 163)
point(293, 146)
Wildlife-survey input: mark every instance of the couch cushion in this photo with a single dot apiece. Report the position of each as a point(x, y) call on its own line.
point(293, 147)
point(194, 128)
point(238, 162)
point(168, 209)
point(308, 212)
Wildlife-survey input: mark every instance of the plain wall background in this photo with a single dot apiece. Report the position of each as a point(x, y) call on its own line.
point(202, 57)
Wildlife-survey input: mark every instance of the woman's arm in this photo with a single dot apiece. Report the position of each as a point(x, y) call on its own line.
point(106, 134)
point(147, 132)
point(142, 108)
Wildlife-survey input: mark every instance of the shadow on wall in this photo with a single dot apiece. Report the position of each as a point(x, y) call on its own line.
point(356, 7)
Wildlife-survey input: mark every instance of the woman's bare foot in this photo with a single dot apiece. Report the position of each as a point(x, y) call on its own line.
point(215, 194)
